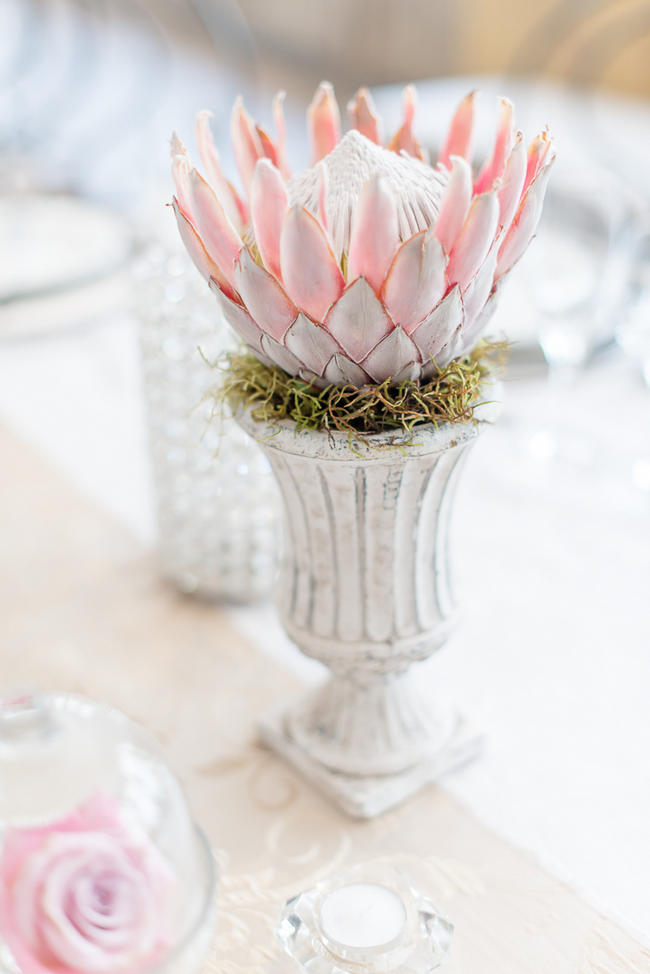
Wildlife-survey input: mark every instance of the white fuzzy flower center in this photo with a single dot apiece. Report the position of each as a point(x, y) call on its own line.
point(416, 186)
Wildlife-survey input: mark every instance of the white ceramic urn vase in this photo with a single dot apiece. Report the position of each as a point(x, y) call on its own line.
point(365, 587)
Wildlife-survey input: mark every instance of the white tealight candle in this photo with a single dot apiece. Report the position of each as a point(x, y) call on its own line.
point(362, 915)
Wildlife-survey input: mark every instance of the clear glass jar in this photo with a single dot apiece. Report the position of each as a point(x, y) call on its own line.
point(101, 867)
point(216, 500)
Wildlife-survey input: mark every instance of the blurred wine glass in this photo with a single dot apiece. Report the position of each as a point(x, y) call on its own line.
point(571, 293)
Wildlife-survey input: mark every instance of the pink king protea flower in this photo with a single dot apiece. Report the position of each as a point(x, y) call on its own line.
point(372, 264)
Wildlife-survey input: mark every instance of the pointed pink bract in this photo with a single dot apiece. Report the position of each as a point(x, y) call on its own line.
point(310, 272)
point(263, 296)
point(269, 205)
point(364, 117)
point(324, 121)
point(495, 165)
point(512, 184)
point(455, 203)
point(474, 240)
point(375, 233)
point(246, 142)
point(217, 233)
point(524, 224)
point(210, 159)
point(459, 141)
point(416, 280)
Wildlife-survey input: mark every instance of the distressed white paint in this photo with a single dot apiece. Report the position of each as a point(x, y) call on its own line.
point(364, 586)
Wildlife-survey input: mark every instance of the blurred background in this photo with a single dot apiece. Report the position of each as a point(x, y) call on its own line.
point(101, 318)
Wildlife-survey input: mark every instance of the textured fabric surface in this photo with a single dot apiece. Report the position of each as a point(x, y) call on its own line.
point(82, 609)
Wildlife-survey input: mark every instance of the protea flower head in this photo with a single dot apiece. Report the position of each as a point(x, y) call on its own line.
point(372, 264)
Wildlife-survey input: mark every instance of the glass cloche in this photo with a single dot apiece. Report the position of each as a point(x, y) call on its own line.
point(102, 869)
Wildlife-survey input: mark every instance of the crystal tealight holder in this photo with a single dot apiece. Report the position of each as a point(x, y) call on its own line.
point(369, 919)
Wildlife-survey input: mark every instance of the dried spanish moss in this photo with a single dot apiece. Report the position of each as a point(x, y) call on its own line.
point(272, 395)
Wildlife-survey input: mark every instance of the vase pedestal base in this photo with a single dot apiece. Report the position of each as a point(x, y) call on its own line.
point(368, 796)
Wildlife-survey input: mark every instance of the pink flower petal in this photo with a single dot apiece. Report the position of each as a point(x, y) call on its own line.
point(416, 280)
point(395, 354)
point(358, 320)
point(404, 139)
point(197, 251)
point(269, 205)
point(455, 203)
point(311, 343)
point(263, 297)
point(479, 289)
point(467, 338)
point(495, 165)
point(474, 240)
point(461, 131)
point(239, 320)
point(181, 168)
point(310, 272)
point(538, 153)
point(323, 190)
point(364, 117)
point(324, 122)
point(438, 328)
point(341, 371)
point(217, 233)
point(225, 193)
point(512, 184)
point(525, 223)
point(281, 133)
point(375, 233)
point(246, 142)
point(280, 355)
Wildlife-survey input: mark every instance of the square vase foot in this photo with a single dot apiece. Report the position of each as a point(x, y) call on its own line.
point(369, 796)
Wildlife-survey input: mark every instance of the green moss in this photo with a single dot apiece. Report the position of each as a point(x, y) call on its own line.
point(271, 395)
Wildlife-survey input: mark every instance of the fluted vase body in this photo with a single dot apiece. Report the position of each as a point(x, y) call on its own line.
point(365, 585)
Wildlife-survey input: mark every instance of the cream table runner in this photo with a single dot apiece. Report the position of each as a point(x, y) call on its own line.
point(82, 609)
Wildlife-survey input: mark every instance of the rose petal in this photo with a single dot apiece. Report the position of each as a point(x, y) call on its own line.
point(358, 320)
point(374, 237)
point(310, 272)
point(416, 280)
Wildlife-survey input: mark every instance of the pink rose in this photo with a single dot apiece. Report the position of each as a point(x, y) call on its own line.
point(83, 895)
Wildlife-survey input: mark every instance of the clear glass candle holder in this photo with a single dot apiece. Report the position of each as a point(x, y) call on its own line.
point(216, 500)
point(369, 919)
